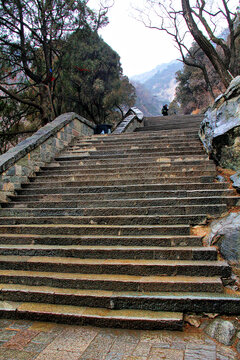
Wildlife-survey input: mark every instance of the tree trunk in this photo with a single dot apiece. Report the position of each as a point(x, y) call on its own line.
point(205, 45)
point(47, 115)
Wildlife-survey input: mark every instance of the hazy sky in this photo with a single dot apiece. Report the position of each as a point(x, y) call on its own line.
point(140, 49)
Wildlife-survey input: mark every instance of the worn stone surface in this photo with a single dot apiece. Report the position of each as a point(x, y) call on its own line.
point(221, 330)
point(220, 129)
point(66, 342)
point(226, 234)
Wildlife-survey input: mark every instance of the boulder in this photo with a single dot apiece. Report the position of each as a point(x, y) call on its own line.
point(220, 128)
point(236, 180)
point(221, 330)
point(226, 233)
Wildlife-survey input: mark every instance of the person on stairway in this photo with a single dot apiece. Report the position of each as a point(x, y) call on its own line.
point(165, 110)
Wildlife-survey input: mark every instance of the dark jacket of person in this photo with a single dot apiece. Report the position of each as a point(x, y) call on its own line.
point(165, 110)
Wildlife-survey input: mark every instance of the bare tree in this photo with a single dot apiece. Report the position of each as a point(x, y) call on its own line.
point(204, 21)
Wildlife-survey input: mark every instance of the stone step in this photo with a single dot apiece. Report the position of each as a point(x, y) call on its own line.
point(108, 177)
point(134, 150)
point(132, 137)
point(130, 167)
point(72, 169)
point(158, 301)
point(159, 143)
point(107, 220)
point(121, 195)
point(130, 153)
point(124, 181)
point(156, 144)
point(158, 158)
point(164, 127)
point(169, 201)
point(88, 162)
point(209, 210)
point(175, 117)
point(170, 186)
point(169, 126)
point(169, 120)
point(157, 140)
point(140, 267)
point(112, 252)
point(113, 156)
point(105, 240)
point(123, 230)
point(112, 282)
point(127, 318)
point(146, 135)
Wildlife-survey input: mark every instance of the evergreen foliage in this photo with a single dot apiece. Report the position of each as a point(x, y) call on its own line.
point(52, 60)
point(91, 82)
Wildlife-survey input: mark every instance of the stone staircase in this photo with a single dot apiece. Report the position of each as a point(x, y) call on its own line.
point(103, 234)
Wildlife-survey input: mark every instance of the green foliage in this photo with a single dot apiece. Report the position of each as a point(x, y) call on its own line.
point(91, 81)
point(122, 96)
point(32, 34)
point(52, 60)
point(10, 118)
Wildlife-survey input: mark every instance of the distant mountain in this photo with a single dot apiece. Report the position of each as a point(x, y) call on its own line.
point(156, 87)
point(145, 101)
point(142, 78)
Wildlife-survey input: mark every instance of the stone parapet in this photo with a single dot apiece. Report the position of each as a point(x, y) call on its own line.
point(133, 119)
point(22, 161)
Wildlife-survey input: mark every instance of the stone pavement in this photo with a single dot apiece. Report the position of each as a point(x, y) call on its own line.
point(26, 340)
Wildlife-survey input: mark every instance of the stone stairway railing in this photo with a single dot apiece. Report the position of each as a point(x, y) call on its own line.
point(28, 156)
point(22, 161)
point(132, 120)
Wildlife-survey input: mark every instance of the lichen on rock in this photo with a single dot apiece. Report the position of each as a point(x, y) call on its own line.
point(221, 330)
point(220, 129)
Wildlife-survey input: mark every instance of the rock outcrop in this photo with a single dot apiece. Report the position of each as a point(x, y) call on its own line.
point(220, 129)
point(226, 233)
point(236, 180)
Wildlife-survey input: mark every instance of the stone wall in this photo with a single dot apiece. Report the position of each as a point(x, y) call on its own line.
point(22, 161)
point(133, 119)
